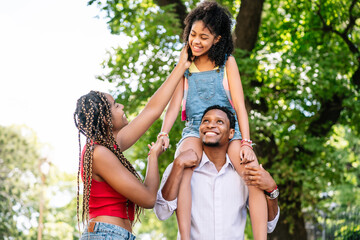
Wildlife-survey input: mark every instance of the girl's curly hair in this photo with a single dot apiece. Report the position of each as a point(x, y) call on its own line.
point(219, 22)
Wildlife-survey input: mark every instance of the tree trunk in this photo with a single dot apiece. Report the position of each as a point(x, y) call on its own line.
point(282, 231)
point(246, 33)
point(248, 23)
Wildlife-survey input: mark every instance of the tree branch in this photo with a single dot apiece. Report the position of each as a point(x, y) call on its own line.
point(355, 79)
point(344, 35)
point(180, 9)
point(352, 19)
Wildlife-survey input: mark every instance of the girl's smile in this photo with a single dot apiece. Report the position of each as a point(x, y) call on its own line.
point(201, 39)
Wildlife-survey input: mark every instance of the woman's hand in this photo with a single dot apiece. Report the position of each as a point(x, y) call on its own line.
point(184, 57)
point(157, 148)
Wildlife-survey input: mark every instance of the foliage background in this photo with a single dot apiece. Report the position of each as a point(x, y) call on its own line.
point(299, 62)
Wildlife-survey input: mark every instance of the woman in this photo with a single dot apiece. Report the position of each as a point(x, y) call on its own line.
point(113, 191)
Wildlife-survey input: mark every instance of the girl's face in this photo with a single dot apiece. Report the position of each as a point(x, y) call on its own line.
point(201, 39)
point(118, 118)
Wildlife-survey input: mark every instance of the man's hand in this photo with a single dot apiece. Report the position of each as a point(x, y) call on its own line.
point(259, 177)
point(187, 159)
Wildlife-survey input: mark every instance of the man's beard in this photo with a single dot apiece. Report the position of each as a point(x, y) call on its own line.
point(211, 144)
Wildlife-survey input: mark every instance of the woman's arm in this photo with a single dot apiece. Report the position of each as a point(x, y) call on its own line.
point(107, 166)
point(156, 105)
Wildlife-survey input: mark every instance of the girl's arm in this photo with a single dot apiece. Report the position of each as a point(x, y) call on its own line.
point(107, 166)
point(172, 110)
point(156, 105)
point(237, 96)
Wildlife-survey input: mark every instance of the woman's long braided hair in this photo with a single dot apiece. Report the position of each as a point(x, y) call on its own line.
point(93, 119)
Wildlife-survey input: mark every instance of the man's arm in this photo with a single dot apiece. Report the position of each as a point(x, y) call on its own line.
point(272, 208)
point(259, 177)
point(186, 159)
point(166, 201)
point(170, 190)
point(164, 209)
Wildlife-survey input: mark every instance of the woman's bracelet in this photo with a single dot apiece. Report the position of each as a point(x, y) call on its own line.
point(162, 134)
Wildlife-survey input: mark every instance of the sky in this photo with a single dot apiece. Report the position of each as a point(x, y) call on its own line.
point(50, 54)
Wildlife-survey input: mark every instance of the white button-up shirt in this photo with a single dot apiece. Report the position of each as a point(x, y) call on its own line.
point(219, 202)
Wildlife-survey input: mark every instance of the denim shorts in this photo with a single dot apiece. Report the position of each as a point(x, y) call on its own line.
point(192, 130)
point(106, 231)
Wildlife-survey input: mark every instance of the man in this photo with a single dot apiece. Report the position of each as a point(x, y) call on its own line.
point(219, 194)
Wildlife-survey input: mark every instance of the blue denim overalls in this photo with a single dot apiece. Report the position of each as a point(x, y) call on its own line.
point(205, 89)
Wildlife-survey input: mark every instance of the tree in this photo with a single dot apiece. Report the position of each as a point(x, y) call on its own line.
point(23, 188)
point(60, 219)
point(300, 67)
point(19, 161)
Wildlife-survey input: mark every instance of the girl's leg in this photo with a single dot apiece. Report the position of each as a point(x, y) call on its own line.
point(257, 201)
point(183, 212)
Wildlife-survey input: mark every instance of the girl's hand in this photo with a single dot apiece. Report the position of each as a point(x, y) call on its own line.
point(157, 148)
point(246, 154)
point(183, 60)
point(166, 142)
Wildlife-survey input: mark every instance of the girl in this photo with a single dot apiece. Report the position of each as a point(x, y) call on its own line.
point(113, 191)
point(212, 79)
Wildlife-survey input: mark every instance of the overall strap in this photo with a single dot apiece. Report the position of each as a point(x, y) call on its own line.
point(186, 87)
point(226, 82)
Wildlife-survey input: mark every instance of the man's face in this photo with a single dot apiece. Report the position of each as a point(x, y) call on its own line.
point(215, 128)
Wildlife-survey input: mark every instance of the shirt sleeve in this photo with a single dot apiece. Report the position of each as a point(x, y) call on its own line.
point(272, 224)
point(164, 209)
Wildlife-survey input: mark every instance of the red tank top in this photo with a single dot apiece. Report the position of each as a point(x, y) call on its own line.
point(104, 200)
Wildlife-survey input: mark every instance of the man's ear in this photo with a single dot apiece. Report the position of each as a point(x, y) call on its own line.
point(217, 39)
point(231, 133)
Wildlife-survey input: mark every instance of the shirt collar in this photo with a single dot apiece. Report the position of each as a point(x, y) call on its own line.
point(229, 162)
point(205, 159)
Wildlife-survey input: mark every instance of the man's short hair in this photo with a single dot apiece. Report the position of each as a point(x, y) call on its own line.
point(229, 114)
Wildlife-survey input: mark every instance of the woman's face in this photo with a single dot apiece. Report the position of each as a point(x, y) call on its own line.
point(118, 119)
point(201, 39)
